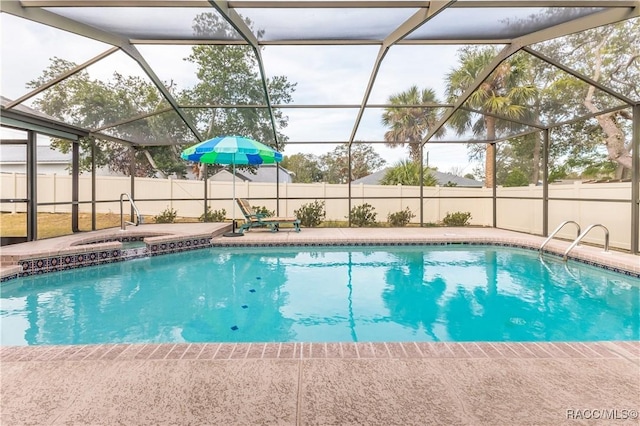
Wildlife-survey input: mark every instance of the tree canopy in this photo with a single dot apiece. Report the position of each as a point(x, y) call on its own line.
point(305, 167)
point(408, 121)
point(505, 92)
point(607, 55)
point(364, 161)
point(225, 75)
point(333, 167)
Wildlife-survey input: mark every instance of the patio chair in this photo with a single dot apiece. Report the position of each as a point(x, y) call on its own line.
point(259, 220)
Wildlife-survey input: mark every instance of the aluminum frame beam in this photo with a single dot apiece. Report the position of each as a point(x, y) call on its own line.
point(502, 117)
point(635, 181)
point(18, 119)
point(608, 16)
point(322, 4)
point(235, 20)
point(238, 23)
point(579, 75)
point(317, 42)
point(482, 76)
point(61, 77)
point(132, 119)
point(415, 21)
point(32, 186)
point(546, 143)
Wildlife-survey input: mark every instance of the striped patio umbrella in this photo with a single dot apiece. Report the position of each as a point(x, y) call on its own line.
point(232, 150)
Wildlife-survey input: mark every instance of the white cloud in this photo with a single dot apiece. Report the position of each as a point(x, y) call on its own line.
point(28, 46)
point(324, 74)
point(169, 65)
point(405, 66)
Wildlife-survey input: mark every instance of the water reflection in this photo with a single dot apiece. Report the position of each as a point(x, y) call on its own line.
point(525, 300)
point(413, 300)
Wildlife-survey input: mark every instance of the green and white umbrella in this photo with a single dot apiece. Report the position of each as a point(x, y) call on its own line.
point(232, 150)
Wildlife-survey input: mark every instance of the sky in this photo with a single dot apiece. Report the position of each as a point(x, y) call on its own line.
point(324, 75)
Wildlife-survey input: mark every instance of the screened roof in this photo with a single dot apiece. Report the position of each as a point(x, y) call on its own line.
point(346, 59)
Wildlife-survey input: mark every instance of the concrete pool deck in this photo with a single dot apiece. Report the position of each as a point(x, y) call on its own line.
point(407, 383)
point(322, 384)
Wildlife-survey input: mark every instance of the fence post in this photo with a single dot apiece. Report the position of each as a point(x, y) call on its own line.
point(15, 192)
point(577, 187)
point(286, 199)
point(532, 220)
point(247, 188)
point(438, 204)
point(55, 190)
point(170, 180)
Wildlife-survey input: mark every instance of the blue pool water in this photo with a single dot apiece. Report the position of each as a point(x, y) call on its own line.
point(404, 293)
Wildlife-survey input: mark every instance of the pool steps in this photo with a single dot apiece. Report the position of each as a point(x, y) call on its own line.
point(97, 251)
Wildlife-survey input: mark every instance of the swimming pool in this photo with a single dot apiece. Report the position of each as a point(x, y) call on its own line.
point(400, 293)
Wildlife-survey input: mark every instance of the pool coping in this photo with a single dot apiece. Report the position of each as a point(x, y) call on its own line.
point(628, 349)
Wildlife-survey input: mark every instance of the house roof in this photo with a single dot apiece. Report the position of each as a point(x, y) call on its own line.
point(442, 178)
point(17, 154)
point(4, 101)
point(264, 173)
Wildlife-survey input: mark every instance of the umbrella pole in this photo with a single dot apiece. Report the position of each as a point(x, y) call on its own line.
point(233, 232)
point(233, 192)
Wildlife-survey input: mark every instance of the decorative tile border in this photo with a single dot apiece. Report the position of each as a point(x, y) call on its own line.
point(55, 263)
point(331, 350)
point(10, 276)
point(111, 239)
point(107, 251)
point(162, 246)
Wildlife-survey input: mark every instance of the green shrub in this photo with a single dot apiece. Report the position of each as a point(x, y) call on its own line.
point(213, 216)
point(263, 211)
point(311, 214)
point(363, 215)
point(456, 219)
point(168, 215)
point(516, 177)
point(401, 218)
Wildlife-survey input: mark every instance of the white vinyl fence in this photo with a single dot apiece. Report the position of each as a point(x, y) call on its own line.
point(186, 197)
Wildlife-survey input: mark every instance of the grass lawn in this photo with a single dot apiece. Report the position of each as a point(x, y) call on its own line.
point(58, 224)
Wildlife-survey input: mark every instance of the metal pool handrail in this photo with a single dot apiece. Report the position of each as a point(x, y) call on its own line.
point(123, 223)
point(558, 230)
point(586, 231)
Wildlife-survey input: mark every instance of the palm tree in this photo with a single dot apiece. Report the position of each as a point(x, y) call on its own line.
point(408, 173)
point(501, 93)
point(409, 124)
